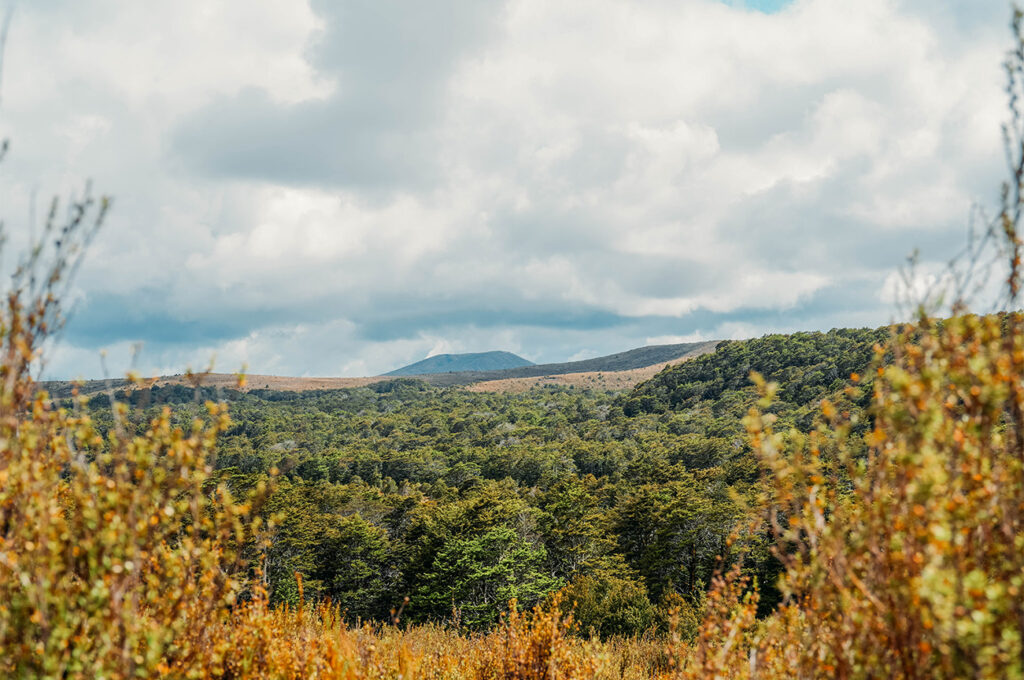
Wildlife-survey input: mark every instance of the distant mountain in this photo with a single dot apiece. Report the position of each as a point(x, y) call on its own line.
point(460, 363)
point(622, 361)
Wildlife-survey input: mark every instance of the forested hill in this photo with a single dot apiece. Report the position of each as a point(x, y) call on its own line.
point(807, 366)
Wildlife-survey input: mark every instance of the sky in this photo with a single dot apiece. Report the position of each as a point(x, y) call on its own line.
point(338, 188)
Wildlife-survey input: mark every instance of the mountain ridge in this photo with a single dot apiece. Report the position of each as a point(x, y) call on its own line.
point(495, 360)
point(640, 357)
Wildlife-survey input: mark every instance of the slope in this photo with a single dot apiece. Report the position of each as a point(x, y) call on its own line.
point(451, 363)
point(642, 357)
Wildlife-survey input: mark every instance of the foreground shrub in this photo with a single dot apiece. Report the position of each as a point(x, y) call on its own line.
point(116, 555)
point(917, 567)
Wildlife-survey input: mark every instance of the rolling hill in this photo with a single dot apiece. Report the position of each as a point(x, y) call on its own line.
point(459, 363)
point(641, 357)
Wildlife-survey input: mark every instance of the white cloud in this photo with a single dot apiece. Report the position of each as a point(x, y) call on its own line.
point(309, 194)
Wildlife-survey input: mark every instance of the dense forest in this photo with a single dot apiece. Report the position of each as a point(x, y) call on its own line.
point(462, 501)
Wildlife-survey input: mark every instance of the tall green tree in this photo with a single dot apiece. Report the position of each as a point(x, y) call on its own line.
point(356, 569)
point(475, 577)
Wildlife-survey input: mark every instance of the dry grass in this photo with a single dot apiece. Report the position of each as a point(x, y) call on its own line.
point(596, 380)
point(294, 644)
point(270, 382)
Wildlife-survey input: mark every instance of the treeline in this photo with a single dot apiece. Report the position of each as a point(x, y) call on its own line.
point(461, 501)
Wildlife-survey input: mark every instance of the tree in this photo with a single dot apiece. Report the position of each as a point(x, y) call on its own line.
point(607, 604)
point(356, 569)
point(672, 534)
point(475, 578)
point(574, 529)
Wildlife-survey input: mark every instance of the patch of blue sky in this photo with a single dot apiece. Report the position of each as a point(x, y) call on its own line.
point(766, 6)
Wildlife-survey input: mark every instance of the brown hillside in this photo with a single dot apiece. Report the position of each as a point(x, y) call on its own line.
point(598, 380)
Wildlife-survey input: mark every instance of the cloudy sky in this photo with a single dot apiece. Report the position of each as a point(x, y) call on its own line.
point(331, 187)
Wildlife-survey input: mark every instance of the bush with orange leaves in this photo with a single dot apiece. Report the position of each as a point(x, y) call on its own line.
point(916, 570)
point(114, 552)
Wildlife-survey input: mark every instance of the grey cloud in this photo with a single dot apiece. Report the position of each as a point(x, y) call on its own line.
point(443, 317)
point(808, 228)
point(251, 136)
point(390, 62)
point(657, 275)
point(957, 18)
